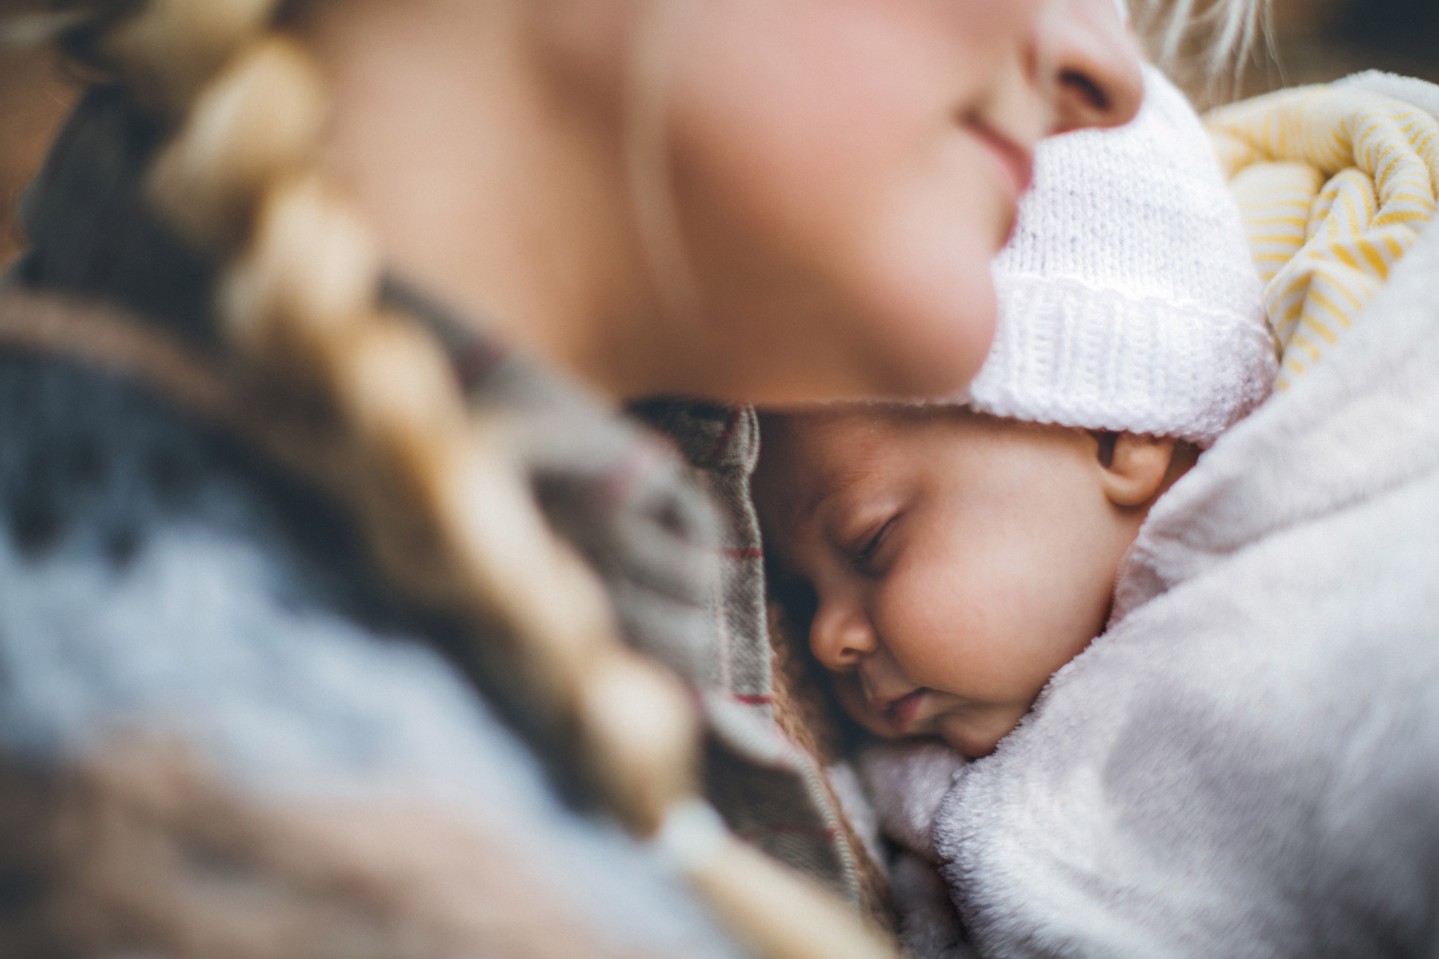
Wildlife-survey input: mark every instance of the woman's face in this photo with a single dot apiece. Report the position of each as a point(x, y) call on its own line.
point(750, 200)
point(844, 170)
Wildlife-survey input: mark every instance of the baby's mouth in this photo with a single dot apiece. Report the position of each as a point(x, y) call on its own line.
point(902, 712)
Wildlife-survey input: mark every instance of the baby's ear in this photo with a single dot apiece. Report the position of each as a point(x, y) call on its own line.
point(1133, 468)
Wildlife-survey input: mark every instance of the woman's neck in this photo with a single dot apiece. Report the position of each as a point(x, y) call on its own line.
point(517, 210)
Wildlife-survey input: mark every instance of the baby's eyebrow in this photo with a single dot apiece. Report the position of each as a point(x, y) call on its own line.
point(830, 485)
point(822, 494)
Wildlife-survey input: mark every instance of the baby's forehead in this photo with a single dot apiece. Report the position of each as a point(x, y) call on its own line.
point(804, 455)
point(795, 444)
point(851, 431)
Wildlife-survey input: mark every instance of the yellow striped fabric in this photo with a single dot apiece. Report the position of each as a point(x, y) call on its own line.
point(1334, 184)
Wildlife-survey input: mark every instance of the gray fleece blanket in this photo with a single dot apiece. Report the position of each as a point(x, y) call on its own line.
point(1247, 762)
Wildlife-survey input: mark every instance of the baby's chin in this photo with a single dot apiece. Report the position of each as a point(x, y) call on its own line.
point(975, 740)
point(964, 741)
point(974, 731)
point(882, 729)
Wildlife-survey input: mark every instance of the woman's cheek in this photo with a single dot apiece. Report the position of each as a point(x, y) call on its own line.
point(840, 203)
point(928, 295)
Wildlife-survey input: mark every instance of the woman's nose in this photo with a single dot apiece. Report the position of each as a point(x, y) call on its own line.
point(840, 636)
point(1092, 62)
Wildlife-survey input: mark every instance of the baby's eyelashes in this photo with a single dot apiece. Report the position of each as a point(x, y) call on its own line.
point(866, 552)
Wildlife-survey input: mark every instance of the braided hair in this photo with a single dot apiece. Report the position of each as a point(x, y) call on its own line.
point(362, 401)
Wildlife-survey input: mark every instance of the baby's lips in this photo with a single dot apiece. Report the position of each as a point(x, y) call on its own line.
point(901, 713)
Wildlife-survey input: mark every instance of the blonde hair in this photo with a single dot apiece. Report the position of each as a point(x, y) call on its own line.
point(363, 402)
point(1203, 42)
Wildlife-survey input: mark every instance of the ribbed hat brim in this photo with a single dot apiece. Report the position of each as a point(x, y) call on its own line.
point(1164, 368)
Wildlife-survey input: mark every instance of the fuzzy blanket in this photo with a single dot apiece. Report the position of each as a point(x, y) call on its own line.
point(1247, 762)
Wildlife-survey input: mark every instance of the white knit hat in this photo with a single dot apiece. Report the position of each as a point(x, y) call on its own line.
point(1128, 299)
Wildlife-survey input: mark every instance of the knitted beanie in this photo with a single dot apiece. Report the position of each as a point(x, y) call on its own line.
point(1128, 299)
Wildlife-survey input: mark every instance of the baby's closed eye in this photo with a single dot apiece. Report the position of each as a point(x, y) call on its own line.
point(867, 552)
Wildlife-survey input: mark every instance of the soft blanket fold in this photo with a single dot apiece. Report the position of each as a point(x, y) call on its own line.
point(1335, 182)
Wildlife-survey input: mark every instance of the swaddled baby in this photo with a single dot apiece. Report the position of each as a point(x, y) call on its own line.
point(1175, 704)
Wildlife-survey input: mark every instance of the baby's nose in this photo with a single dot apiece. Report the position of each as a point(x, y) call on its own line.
point(840, 636)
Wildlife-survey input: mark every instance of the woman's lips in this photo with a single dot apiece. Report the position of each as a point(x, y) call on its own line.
point(1015, 163)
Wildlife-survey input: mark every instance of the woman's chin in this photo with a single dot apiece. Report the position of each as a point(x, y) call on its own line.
point(944, 353)
point(936, 324)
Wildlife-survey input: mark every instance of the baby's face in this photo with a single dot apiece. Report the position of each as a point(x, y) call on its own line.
point(955, 561)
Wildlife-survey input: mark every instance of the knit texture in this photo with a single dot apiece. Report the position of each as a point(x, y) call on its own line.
point(1128, 299)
